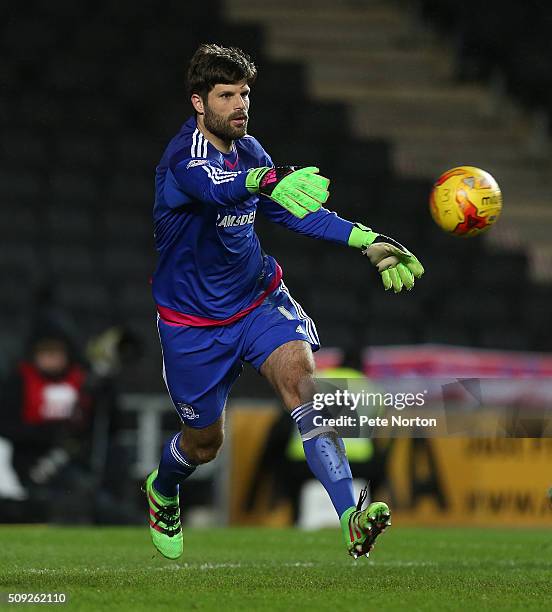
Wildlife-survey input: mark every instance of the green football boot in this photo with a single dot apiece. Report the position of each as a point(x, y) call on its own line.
point(362, 527)
point(164, 520)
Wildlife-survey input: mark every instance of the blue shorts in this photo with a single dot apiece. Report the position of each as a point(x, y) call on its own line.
point(200, 364)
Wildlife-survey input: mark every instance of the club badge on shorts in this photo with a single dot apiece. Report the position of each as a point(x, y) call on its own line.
point(187, 411)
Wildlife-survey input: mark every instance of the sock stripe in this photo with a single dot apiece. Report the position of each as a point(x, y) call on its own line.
point(305, 407)
point(178, 455)
point(304, 416)
point(298, 416)
point(301, 411)
point(301, 406)
point(180, 459)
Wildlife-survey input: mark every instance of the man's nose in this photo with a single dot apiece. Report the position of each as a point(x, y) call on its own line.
point(240, 104)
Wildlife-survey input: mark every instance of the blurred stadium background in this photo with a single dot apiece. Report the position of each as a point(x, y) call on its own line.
point(383, 96)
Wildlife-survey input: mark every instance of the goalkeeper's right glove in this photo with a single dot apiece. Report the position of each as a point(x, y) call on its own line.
point(299, 190)
point(397, 266)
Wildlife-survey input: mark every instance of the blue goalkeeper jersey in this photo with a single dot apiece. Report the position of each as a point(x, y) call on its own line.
point(211, 269)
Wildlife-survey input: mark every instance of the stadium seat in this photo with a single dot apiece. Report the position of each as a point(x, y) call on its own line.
point(13, 348)
point(22, 222)
point(497, 271)
point(66, 74)
point(375, 155)
point(131, 225)
point(445, 273)
point(22, 149)
point(69, 224)
point(128, 13)
point(102, 40)
point(536, 305)
point(120, 261)
point(84, 295)
point(246, 36)
point(338, 335)
point(17, 296)
point(437, 332)
point(7, 104)
point(92, 323)
point(340, 267)
point(135, 80)
point(133, 189)
point(387, 336)
point(476, 311)
point(293, 152)
point(56, 12)
point(137, 154)
point(329, 306)
point(72, 261)
point(541, 339)
point(348, 198)
point(269, 83)
point(504, 338)
point(28, 38)
point(71, 189)
point(135, 299)
point(167, 40)
point(77, 153)
point(328, 118)
point(403, 310)
point(38, 109)
point(535, 317)
point(95, 113)
point(10, 76)
point(20, 184)
point(294, 275)
point(17, 254)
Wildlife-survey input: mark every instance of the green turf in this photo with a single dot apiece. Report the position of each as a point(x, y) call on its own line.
point(262, 569)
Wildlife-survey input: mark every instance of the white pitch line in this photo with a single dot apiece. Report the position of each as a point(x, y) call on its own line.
point(214, 566)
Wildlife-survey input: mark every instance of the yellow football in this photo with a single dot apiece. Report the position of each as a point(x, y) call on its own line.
point(465, 201)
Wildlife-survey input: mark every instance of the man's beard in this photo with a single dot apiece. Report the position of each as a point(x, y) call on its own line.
point(221, 126)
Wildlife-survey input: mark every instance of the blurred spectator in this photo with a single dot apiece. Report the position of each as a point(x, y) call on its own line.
point(46, 414)
point(61, 420)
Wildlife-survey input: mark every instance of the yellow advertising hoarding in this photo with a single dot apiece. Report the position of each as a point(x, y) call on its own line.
point(477, 481)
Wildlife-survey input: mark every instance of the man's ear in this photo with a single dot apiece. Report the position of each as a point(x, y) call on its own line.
point(197, 103)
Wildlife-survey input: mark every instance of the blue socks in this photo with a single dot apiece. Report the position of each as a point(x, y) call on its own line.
point(174, 468)
point(324, 451)
point(326, 456)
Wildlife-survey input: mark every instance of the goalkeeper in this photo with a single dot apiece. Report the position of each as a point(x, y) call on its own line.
point(221, 300)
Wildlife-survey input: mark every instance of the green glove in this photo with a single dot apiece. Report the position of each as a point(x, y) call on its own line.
point(299, 190)
point(397, 266)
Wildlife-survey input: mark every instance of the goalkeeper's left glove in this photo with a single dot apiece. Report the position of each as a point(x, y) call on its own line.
point(397, 266)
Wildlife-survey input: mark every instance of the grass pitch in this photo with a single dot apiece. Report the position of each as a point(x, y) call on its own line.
point(281, 569)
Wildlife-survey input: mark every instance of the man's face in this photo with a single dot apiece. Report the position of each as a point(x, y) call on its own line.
point(51, 358)
point(226, 110)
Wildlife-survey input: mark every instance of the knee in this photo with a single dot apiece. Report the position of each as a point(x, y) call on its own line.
point(204, 451)
point(204, 454)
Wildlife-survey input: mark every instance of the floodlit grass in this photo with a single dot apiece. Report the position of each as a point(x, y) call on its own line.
point(281, 569)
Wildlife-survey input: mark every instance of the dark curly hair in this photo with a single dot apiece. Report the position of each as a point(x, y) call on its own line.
point(212, 64)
